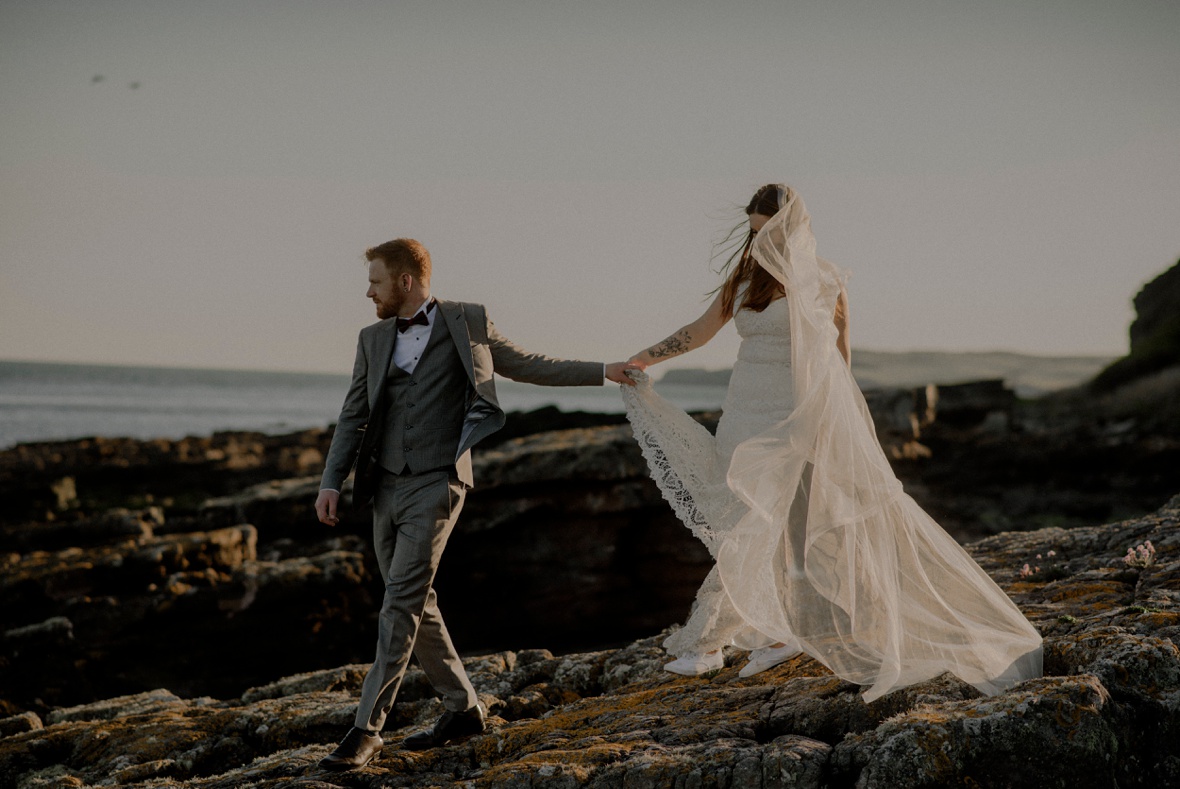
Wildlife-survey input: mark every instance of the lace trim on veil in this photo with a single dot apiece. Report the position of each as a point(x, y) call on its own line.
point(681, 455)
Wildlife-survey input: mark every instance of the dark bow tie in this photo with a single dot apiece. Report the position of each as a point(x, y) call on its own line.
point(419, 319)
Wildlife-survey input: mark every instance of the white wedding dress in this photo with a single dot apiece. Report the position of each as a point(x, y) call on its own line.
point(816, 544)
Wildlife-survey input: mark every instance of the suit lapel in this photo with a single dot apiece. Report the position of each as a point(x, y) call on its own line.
point(380, 357)
point(383, 346)
point(453, 314)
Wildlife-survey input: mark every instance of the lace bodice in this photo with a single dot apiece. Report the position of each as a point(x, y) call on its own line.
point(760, 389)
point(765, 332)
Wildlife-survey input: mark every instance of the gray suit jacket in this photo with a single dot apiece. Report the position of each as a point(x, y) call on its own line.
point(482, 349)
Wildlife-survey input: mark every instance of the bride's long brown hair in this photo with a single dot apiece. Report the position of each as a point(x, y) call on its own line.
point(741, 267)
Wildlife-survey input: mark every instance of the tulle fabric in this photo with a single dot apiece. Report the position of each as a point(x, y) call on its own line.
point(816, 541)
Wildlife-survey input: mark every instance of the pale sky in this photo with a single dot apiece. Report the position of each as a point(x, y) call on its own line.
point(194, 183)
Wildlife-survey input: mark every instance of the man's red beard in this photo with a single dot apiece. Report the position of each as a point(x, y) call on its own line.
point(389, 309)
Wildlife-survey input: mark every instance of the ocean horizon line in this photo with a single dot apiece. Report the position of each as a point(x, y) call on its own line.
point(1088, 356)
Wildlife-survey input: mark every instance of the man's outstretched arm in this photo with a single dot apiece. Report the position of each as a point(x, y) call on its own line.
point(512, 361)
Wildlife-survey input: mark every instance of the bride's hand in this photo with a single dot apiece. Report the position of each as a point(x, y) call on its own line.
point(617, 372)
point(637, 363)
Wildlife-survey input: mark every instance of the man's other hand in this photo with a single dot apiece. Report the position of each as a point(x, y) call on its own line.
point(325, 506)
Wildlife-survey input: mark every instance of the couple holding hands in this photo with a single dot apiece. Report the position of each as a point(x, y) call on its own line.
point(817, 548)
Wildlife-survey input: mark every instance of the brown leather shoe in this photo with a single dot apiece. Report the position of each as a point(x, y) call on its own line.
point(451, 726)
point(355, 750)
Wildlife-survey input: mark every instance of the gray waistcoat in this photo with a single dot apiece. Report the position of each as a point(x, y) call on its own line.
point(424, 417)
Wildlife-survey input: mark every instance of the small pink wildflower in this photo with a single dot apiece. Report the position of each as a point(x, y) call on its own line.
point(1142, 555)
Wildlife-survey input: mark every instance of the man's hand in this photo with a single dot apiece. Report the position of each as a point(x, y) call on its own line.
point(617, 372)
point(325, 506)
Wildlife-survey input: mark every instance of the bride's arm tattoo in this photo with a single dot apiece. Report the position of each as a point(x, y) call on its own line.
point(675, 345)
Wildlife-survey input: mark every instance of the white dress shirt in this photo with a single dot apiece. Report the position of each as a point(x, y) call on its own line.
point(410, 344)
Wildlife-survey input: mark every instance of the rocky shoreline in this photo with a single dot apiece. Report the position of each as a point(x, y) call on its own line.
point(1106, 714)
point(145, 632)
point(173, 616)
point(113, 547)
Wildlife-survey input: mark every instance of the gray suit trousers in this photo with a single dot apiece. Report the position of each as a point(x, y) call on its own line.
point(413, 515)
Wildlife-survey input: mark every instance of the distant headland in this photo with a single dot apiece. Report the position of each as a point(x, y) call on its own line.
point(1028, 374)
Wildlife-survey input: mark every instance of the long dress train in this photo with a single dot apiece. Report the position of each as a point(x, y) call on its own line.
point(815, 541)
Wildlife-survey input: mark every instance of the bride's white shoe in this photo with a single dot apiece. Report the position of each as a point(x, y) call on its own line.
point(693, 665)
point(768, 657)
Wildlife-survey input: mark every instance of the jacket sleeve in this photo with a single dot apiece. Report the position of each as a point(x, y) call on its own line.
point(350, 427)
point(513, 362)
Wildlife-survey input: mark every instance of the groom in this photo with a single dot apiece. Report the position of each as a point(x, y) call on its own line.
point(422, 394)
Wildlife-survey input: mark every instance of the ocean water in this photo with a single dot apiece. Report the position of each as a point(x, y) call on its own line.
point(49, 402)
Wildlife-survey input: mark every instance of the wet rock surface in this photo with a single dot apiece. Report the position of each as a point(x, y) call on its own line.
point(1106, 714)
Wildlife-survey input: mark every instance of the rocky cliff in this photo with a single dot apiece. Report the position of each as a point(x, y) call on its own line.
point(1155, 334)
point(1106, 713)
point(1157, 306)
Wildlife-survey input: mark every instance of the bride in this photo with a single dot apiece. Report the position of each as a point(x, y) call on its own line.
point(817, 547)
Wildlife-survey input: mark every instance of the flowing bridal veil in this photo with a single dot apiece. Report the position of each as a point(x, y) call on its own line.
point(814, 538)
